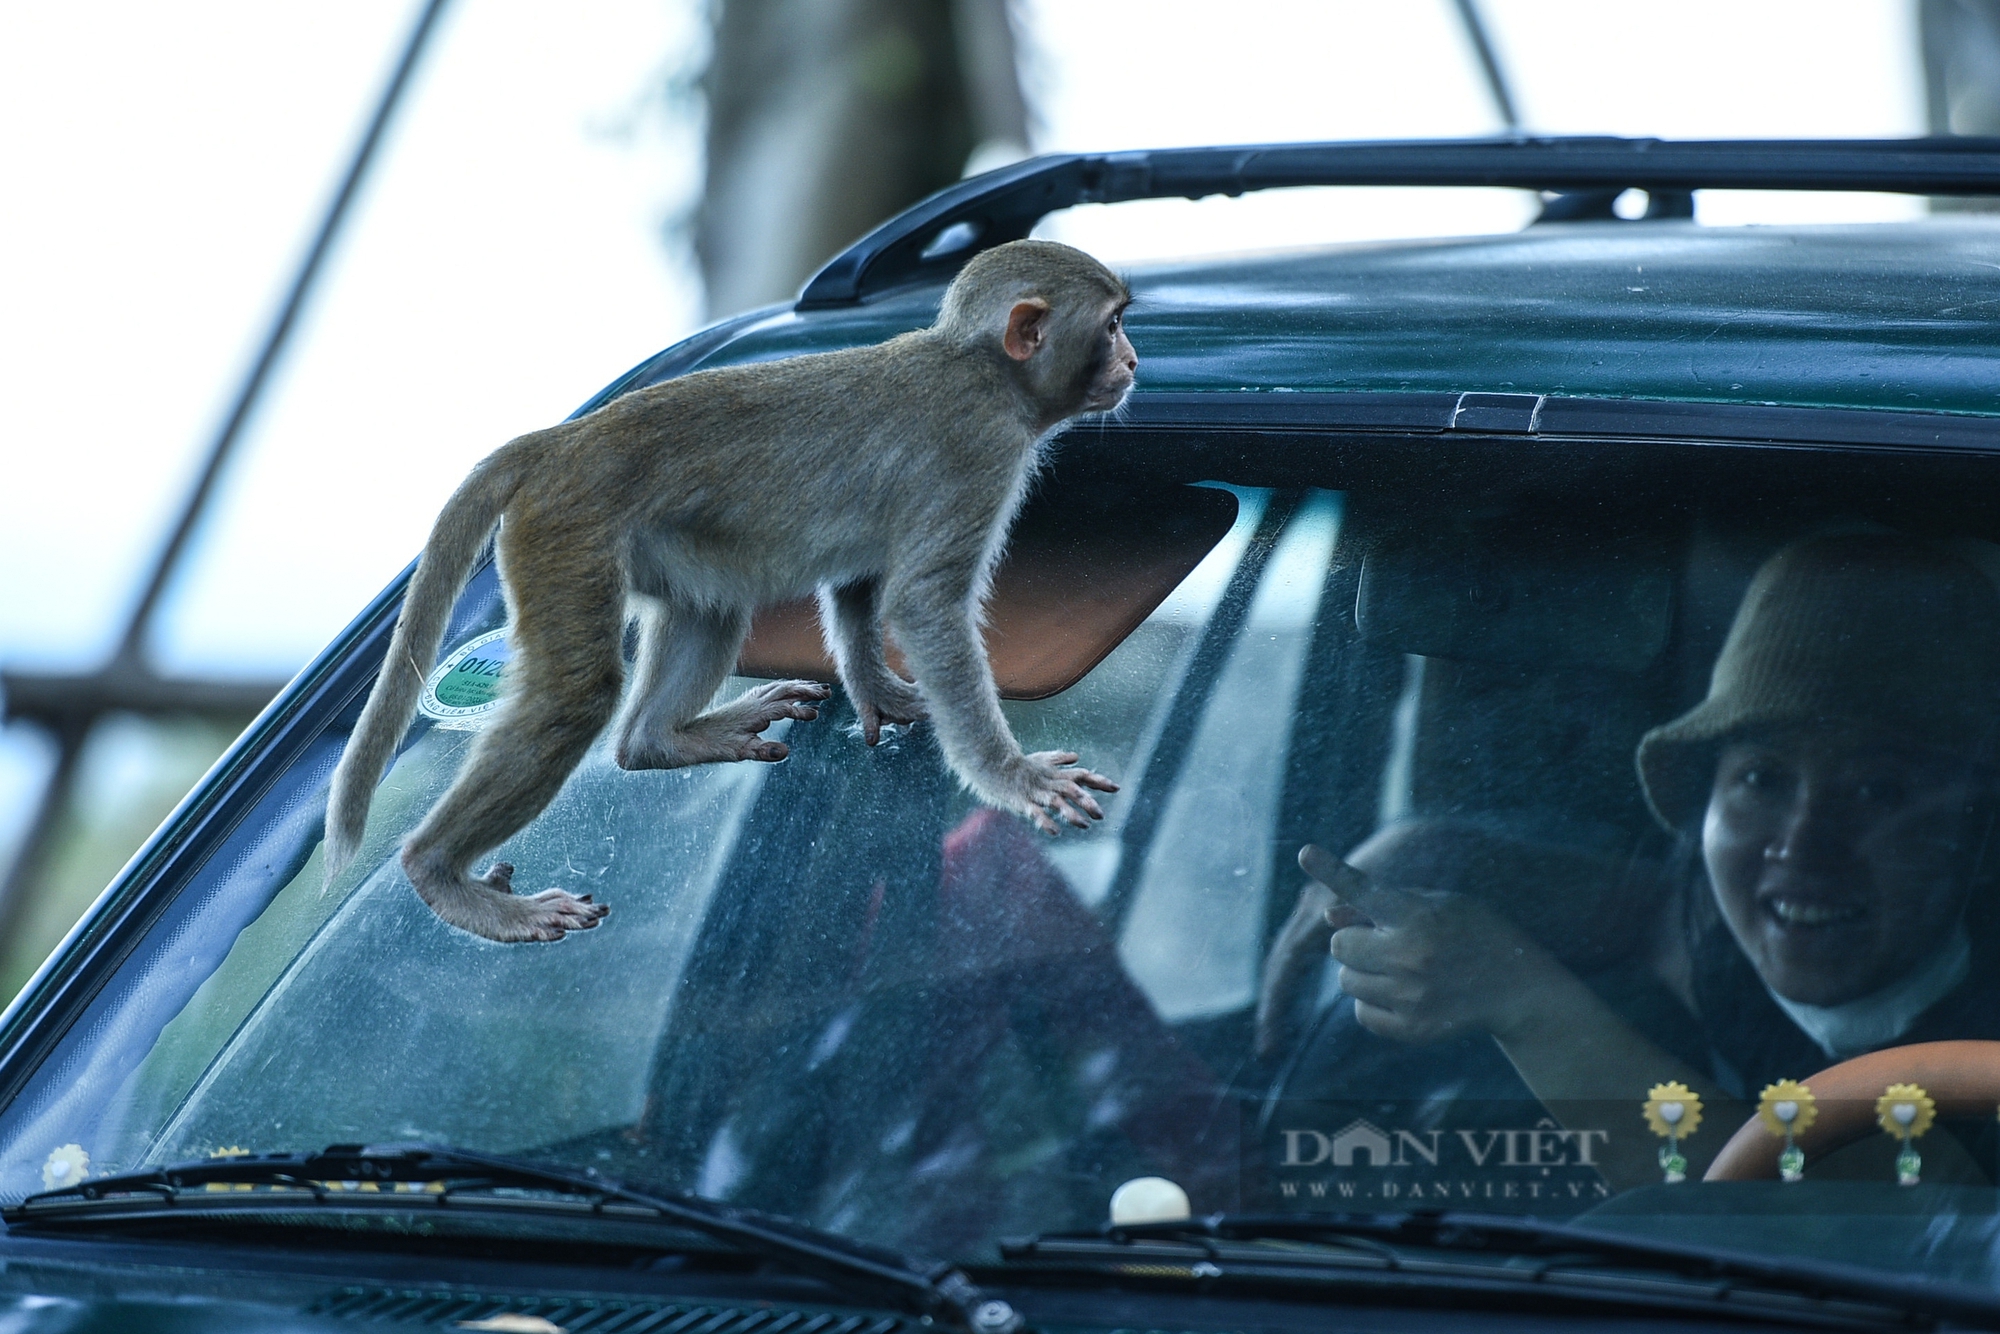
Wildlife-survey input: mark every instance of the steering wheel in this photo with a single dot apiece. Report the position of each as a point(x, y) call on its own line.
point(1962, 1077)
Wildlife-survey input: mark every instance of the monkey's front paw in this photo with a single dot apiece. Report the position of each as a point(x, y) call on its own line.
point(887, 702)
point(1049, 783)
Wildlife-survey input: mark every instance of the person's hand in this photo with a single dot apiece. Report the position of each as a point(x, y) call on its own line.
point(1422, 966)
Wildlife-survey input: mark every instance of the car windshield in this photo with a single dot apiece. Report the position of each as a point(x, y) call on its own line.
point(1663, 771)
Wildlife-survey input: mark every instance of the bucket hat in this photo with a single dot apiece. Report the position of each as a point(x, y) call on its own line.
point(1876, 630)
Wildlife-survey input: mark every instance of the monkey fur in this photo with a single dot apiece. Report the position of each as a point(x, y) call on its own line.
point(884, 478)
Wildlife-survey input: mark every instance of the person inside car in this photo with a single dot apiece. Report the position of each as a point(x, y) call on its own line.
point(1835, 792)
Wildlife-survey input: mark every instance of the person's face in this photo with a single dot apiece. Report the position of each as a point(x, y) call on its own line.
point(1839, 861)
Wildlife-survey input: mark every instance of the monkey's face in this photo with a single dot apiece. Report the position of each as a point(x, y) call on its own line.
point(1074, 357)
point(1112, 366)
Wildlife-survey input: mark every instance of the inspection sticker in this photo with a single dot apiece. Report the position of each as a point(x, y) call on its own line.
point(465, 687)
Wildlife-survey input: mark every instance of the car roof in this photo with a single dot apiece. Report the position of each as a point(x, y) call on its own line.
point(1897, 316)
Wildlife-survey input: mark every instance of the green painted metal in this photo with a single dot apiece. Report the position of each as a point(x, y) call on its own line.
point(1896, 316)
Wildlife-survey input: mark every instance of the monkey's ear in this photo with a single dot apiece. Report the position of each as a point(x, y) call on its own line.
point(1027, 323)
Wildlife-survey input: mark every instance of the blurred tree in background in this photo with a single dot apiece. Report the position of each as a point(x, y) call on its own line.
point(828, 116)
point(1961, 41)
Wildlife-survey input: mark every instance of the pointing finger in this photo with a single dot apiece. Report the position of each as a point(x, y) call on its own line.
point(1331, 871)
point(1384, 906)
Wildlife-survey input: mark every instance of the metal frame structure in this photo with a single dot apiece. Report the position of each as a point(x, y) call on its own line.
point(68, 705)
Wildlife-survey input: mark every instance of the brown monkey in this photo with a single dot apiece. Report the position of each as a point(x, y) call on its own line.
point(884, 477)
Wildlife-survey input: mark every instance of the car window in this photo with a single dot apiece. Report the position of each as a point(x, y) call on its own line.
point(1193, 936)
point(1672, 751)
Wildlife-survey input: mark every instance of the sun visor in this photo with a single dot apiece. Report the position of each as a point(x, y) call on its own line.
point(1076, 579)
point(1540, 599)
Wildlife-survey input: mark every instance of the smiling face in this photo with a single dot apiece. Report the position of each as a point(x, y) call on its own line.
point(1841, 860)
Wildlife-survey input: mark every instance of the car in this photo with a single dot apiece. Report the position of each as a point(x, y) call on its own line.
point(1401, 554)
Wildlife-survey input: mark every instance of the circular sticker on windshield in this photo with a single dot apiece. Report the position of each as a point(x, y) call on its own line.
point(466, 685)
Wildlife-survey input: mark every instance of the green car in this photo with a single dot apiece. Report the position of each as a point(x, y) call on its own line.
point(1554, 684)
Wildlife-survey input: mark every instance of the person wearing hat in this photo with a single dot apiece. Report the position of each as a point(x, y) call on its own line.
point(1836, 787)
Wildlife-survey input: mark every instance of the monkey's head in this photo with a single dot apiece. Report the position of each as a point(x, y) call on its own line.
point(1054, 316)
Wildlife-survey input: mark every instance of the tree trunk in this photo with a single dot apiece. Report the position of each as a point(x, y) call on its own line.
point(827, 116)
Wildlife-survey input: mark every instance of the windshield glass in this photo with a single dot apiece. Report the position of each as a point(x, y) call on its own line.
point(1662, 775)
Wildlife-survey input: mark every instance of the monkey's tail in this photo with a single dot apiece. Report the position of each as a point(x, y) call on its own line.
point(455, 542)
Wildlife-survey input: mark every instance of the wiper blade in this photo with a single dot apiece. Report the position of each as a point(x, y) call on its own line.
point(421, 1176)
point(1423, 1247)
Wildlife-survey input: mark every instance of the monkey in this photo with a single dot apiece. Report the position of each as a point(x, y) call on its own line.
point(882, 479)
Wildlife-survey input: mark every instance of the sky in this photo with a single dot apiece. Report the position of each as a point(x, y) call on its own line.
point(519, 246)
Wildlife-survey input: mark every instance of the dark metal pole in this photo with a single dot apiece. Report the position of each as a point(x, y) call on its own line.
point(1496, 78)
point(132, 645)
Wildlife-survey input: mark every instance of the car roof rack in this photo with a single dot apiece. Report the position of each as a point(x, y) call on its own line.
point(930, 240)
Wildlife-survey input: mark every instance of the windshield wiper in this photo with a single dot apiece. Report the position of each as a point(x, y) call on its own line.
point(1424, 1249)
point(427, 1176)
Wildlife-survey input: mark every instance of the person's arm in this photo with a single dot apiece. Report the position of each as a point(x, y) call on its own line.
point(1428, 966)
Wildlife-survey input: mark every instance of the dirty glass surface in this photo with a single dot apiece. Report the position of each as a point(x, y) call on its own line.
point(1660, 795)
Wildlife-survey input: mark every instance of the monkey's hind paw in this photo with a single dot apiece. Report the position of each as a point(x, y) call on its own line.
point(486, 905)
point(547, 916)
point(1053, 786)
point(553, 913)
point(888, 705)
